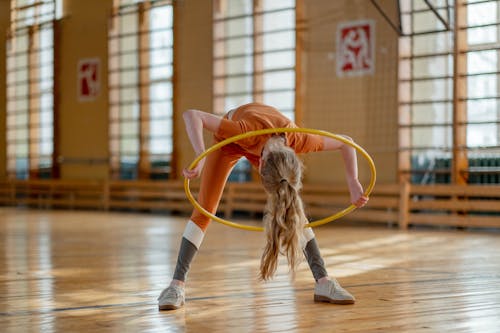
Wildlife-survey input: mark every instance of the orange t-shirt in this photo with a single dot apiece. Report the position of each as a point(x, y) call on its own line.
point(255, 116)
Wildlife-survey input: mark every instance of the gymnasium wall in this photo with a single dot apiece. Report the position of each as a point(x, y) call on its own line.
point(363, 107)
point(192, 69)
point(83, 126)
point(4, 24)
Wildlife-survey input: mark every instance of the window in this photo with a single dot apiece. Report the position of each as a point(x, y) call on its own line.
point(254, 58)
point(254, 54)
point(30, 89)
point(449, 94)
point(141, 92)
point(480, 71)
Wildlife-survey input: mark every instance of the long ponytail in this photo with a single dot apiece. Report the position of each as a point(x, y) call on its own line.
point(284, 216)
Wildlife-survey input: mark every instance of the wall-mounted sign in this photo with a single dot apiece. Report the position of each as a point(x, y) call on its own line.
point(89, 80)
point(355, 48)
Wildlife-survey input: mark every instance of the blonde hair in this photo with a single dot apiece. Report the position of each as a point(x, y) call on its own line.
point(284, 216)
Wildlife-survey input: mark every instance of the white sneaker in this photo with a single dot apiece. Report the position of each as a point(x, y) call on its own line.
point(332, 292)
point(171, 298)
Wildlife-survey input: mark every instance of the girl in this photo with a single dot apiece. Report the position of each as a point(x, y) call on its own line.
point(281, 172)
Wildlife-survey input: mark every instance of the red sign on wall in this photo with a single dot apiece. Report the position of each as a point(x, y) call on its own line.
point(89, 80)
point(355, 48)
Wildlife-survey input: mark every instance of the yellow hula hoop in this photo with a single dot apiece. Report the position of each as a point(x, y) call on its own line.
point(232, 139)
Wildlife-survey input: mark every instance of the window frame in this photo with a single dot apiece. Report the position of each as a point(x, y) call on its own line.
point(143, 168)
point(457, 158)
point(39, 133)
point(257, 54)
point(256, 90)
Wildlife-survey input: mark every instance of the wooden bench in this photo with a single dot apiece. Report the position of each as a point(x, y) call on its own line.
point(159, 195)
point(453, 205)
point(152, 195)
point(324, 200)
point(54, 194)
point(7, 193)
point(248, 197)
point(401, 204)
point(319, 201)
point(404, 204)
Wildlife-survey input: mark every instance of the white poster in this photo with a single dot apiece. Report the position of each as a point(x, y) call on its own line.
point(89, 80)
point(355, 48)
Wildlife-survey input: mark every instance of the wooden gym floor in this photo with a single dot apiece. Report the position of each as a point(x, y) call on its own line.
point(80, 271)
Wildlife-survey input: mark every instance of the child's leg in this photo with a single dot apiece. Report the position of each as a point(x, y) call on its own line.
point(313, 256)
point(326, 289)
point(190, 243)
point(217, 168)
point(213, 179)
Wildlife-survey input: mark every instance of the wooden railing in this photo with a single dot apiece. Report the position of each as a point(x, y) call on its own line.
point(464, 206)
point(53, 193)
point(404, 205)
point(320, 201)
point(166, 195)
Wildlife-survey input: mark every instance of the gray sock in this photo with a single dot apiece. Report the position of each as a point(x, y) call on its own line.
point(187, 252)
point(315, 260)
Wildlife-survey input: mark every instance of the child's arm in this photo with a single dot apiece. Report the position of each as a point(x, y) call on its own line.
point(195, 122)
point(351, 168)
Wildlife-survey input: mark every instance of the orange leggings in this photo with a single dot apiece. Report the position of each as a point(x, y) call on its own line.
point(218, 166)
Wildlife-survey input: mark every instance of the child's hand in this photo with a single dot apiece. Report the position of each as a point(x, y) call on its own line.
point(363, 200)
point(358, 198)
point(194, 173)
